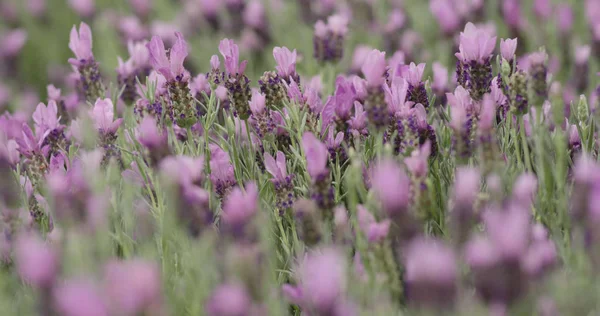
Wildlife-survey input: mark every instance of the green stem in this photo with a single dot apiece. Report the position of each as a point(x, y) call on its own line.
point(524, 143)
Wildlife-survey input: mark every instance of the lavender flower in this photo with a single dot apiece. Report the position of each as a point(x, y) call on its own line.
point(308, 222)
point(375, 232)
point(474, 70)
point(37, 262)
point(48, 127)
point(286, 63)
point(465, 191)
point(581, 71)
point(239, 209)
point(416, 87)
point(373, 69)
point(90, 82)
point(445, 13)
point(154, 139)
point(283, 182)
point(229, 300)
point(431, 274)
point(261, 116)
point(321, 282)
point(183, 112)
point(519, 101)
point(133, 286)
point(136, 67)
point(79, 298)
point(222, 174)
point(316, 165)
point(103, 116)
point(236, 82)
point(328, 39)
point(537, 84)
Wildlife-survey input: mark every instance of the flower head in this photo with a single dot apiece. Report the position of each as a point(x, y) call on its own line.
point(80, 44)
point(316, 155)
point(170, 67)
point(374, 231)
point(79, 298)
point(103, 116)
point(440, 77)
point(466, 185)
point(229, 300)
point(257, 103)
point(414, 74)
point(277, 168)
point(132, 286)
point(476, 44)
point(37, 262)
point(46, 117)
point(391, 184)
point(508, 47)
point(240, 206)
point(286, 61)
point(374, 68)
point(231, 53)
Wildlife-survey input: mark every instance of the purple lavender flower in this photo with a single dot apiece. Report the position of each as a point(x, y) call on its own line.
point(133, 286)
point(391, 185)
point(316, 165)
point(236, 82)
point(90, 82)
point(222, 173)
point(474, 69)
point(581, 70)
point(524, 189)
point(136, 67)
point(182, 103)
point(12, 43)
point(48, 127)
point(239, 209)
point(538, 72)
point(465, 191)
point(333, 142)
point(328, 39)
point(462, 113)
point(229, 300)
point(103, 116)
point(37, 262)
point(79, 298)
point(374, 69)
point(261, 116)
point(286, 63)
point(446, 16)
point(283, 182)
point(508, 47)
point(34, 152)
point(154, 139)
point(416, 87)
point(321, 282)
point(431, 274)
point(519, 100)
point(375, 232)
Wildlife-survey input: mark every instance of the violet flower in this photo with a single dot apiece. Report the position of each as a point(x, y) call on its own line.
point(283, 182)
point(375, 232)
point(79, 298)
point(474, 69)
point(90, 84)
point(239, 209)
point(374, 69)
point(391, 185)
point(133, 286)
point(416, 87)
point(321, 282)
point(328, 39)
point(48, 128)
point(184, 111)
point(154, 139)
point(286, 63)
point(236, 82)
point(431, 274)
point(316, 165)
point(229, 300)
point(222, 173)
point(37, 262)
point(445, 13)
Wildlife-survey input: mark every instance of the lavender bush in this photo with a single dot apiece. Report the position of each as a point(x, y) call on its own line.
point(310, 157)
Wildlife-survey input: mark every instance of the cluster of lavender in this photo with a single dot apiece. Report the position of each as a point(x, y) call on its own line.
point(374, 190)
